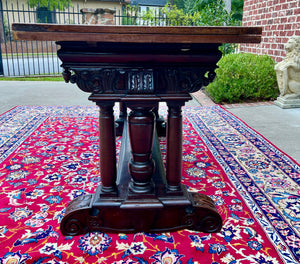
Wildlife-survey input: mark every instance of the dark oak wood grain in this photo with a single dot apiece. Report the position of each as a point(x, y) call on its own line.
point(137, 34)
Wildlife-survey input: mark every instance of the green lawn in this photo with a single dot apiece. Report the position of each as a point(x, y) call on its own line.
point(54, 78)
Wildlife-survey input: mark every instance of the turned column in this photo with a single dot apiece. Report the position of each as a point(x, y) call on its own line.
point(174, 147)
point(141, 132)
point(107, 143)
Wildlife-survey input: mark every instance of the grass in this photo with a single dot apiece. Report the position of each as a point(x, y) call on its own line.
point(26, 55)
point(38, 78)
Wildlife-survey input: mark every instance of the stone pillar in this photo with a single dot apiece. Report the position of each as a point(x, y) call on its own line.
point(288, 75)
point(98, 16)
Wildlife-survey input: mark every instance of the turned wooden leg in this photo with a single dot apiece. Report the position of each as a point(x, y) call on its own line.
point(107, 148)
point(174, 147)
point(141, 133)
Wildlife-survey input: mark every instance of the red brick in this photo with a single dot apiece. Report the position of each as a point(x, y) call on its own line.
point(292, 4)
point(264, 22)
point(276, 52)
point(274, 46)
point(280, 20)
point(284, 34)
point(285, 40)
point(280, 27)
point(287, 26)
point(285, 6)
point(292, 19)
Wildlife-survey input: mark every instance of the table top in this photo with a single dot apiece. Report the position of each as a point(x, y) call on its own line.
point(136, 34)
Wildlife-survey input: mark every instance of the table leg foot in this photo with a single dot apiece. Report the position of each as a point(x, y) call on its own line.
point(205, 217)
point(162, 214)
point(75, 220)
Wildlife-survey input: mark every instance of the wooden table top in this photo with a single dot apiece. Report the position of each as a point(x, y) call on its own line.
point(136, 34)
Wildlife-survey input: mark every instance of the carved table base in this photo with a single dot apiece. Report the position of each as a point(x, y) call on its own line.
point(140, 194)
point(192, 211)
point(127, 210)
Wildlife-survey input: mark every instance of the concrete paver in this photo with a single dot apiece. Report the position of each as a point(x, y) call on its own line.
point(280, 126)
point(14, 93)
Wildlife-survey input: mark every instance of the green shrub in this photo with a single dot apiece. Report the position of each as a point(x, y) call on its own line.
point(242, 77)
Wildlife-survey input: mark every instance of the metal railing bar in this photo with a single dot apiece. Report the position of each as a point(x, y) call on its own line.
point(11, 46)
point(43, 57)
point(26, 43)
point(40, 57)
point(21, 42)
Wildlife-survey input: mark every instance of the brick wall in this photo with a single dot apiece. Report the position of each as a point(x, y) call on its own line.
point(280, 20)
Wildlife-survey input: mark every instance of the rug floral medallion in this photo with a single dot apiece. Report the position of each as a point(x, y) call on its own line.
point(49, 156)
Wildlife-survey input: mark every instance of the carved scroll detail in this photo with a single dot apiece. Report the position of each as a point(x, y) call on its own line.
point(185, 80)
point(151, 81)
point(93, 80)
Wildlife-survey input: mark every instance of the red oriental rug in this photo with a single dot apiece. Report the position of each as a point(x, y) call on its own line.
point(49, 155)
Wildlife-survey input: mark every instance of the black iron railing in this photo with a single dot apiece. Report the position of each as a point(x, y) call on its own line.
point(31, 58)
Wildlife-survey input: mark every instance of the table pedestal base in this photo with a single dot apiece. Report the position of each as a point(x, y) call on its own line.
point(159, 210)
point(191, 211)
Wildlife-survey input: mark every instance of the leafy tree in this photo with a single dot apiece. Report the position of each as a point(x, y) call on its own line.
point(201, 4)
point(188, 5)
point(179, 3)
point(212, 12)
point(50, 4)
point(237, 9)
point(201, 13)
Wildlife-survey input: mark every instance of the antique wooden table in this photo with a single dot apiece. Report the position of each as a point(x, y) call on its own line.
point(139, 67)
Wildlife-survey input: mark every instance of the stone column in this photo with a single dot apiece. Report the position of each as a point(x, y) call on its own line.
point(98, 16)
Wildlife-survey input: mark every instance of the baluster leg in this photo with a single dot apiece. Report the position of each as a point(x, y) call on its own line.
point(141, 133)
point(107, 141)
point(174, 147)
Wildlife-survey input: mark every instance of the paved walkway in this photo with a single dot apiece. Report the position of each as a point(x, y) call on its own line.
point(280, 126)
